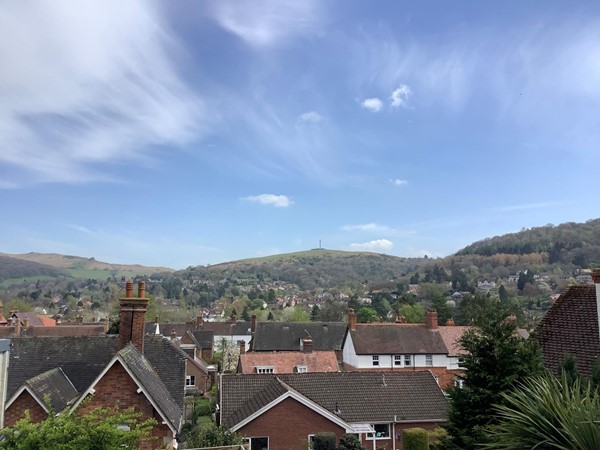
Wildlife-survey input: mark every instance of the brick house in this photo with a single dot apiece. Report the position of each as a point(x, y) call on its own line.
point(405, 347)
point(570, 327)
point(128, 370)
point(277, 412)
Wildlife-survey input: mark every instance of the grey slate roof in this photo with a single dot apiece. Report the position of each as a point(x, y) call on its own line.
point(571, 327)
point(378, 339)
point(365, 397)
point(150, 380)
point(81, 358)
point(202, 338)
point(55, 385)
point(287, 336)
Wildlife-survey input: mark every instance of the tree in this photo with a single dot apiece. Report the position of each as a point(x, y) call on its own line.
point(314, 314)
point(100, 429)
point(366, 314)
point(324, 441)
point(211, 435)
point(415, 439)
point(497, 359)
point(547, 413)
point(270, 316)
point(412, 313)
point(349, 442)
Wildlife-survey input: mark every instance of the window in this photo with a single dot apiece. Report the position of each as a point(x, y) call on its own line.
point(407, 361)
point(264, 369)
point(429, 360)
point(459, 383)
point(258, 443)
point(301, 369)
point(190, 380)
point(376, 360)
point(382, 431)
point(397, 360)
point(461, 362)
point(311, 441)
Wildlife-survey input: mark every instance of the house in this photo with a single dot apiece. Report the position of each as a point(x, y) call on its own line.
point(570, 327)
point(128, 370)
point(285, 411)
point(405, 347)
point(289, 336)
point(306, 361)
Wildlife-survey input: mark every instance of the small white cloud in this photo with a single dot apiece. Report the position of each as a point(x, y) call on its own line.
point(311, 117)
point(378, 245)
point(278, 201)
point(366, 227)
point(400, 96)
point(399, 182)
point(372, 104)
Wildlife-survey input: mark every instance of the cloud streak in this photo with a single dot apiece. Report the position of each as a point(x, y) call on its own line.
point(378, 245)
point(87, 85)
point(377, 228)
point(278, 201)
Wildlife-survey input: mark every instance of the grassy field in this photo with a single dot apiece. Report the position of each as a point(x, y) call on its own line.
point(12, 281)
point(307, 253)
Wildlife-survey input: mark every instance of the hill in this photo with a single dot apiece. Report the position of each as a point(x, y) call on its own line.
point(51, 264)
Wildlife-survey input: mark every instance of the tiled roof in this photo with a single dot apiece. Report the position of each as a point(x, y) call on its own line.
point(286, 362)
point(152, 383)
point(82, 358)
point(451, 335)
point(47, 321)
point(202, 338)
point(55, 386)
point(237, 328)
point(34, 319)
point(365, 397)
point(382, 339)
point(166, 328)
point(65, 330)
point(287, 336)
point(571, 327)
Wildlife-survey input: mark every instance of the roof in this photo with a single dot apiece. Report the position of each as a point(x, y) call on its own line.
point(145, 374)
point(65, 330)
point(390, 339)
point(570, 327)
point(166, 328)
point(451, 335)
point(202, 338)
point(237, 328)
point(53, 385)
point(287, 336)
point(81, 358)
point(35, 320)
point(286, 362)
point(365, 397)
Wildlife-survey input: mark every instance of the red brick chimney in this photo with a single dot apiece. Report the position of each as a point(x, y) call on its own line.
point(199, 320)
point(26, 322)
point(450, 323)
point(432, 319)
point(307, 344)
point(133, 317)
point(253, 324)
point(242, 345)
point(351, 319)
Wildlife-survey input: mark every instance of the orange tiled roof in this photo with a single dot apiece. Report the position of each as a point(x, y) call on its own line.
point(286, 362)
point(451, 336)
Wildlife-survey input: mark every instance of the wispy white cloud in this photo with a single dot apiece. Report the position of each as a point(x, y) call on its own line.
point(278, 201)
point(527, 206)
point(311, 117)
point(378, 245)
point(82, 229)
point(268, 23)
point(377, 228)
point(372, 104)
point(84, 85)
point(400, 96)
point(398, 182)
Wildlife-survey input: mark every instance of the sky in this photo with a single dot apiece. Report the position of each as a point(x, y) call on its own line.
point(180, 133)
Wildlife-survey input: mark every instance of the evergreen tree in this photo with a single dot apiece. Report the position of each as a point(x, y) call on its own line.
point(270, 316)
point(314, 314)
point(497, 360)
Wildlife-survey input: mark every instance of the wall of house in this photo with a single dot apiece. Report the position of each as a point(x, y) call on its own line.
point(349, 355)
point(203, 381)
point(22, 403)
point(117, 389)
point(387, 361)
point(288, 425)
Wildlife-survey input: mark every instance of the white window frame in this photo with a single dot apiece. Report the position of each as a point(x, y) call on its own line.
point(190, 381)
point(373, 437)
point(249, 440)
point(408, 360)
point(375, 360)
point(265, 369)
point(311, 441)
point(429, 360)
point(398, 360)
point(301, 369)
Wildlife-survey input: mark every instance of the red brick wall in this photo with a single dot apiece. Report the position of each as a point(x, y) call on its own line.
point(117, 389)
point(132, 318)
point(17, 410)
point(288, 425)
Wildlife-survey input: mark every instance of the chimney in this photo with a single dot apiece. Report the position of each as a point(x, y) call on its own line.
point(351, 319)
point(142, 289)
point(26, 322)
point(199, 320)
point(18, 327)
point(400, 319)
point(133, 317)
point(156, 318)
point(79, 319)
point(173, 335)
point(450, 323)
point(233, 318)
point(242, 345)
point(432, 319)
point(106, 325)
point(307, 344)
point(253, 324)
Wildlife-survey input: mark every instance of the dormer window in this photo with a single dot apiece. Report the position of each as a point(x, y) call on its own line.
point(301, 369)
point(264, 369)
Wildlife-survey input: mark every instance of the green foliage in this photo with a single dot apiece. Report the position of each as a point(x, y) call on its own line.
point(547, 413)
point(366, 315)
point(497, 360)
point(324, 441)
point(349, 442)
point(415, 439)
point(211, 435)
point(314, 314)
point(412, 313)
point(100, 429)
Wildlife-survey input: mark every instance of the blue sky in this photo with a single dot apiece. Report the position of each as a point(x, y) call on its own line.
point(185, 133)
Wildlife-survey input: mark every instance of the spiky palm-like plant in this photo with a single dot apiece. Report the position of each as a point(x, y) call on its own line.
point(546, 413)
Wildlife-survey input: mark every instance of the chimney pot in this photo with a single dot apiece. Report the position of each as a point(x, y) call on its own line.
point(142, 289)
point(18, 327)
point(450, 323)
point(26, 322)
point(156, 318)
point(307, 344)
point(129, 289)
point(242, 345)
point(351, 319)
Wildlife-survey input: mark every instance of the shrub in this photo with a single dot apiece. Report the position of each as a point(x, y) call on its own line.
point(349, 442)
point(415, 439)
point(325, 441)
